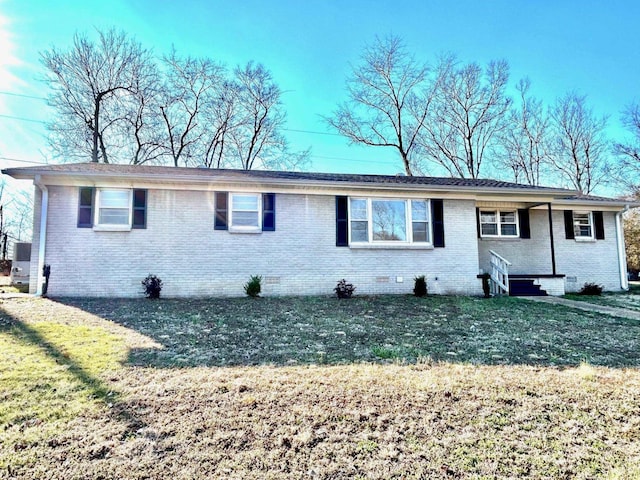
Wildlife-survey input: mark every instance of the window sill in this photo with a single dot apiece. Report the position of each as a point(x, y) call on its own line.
point(585, 240)
point(111, 228)
point(501, 239)
point(386, 246)
point(250, 231)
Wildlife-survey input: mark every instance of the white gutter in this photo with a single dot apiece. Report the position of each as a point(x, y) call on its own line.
point(622, 256)
point(44, 206)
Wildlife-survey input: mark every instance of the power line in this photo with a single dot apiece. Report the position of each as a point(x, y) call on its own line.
point(20, 160)
point(12, 94)
point(349, 159)
point(311, 131)
point(23, 119)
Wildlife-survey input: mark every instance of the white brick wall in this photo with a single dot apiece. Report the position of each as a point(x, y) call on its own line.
point(300, 257)
point(527, 255)
point(594, 261)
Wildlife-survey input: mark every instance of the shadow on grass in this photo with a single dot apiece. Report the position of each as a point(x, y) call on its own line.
point(90, 384)
point(379, 329)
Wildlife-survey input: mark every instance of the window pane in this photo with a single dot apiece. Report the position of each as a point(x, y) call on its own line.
point(114, 216)
point(487, 217)
point(508, 229)
point(359, 232)
point(420, 230)
point(507, 217)
point(358, 209)
point(582, 231)
point(114, 199)
point(245, 219)
point(419, 210)
point(245, 202)
point(489, 229)
point(389, 220)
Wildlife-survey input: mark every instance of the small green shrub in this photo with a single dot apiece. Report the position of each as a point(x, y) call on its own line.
point(254, 286)
point(420, 287)
point(591, 289)
point(344, 289)
point(384, 352)
point(152, 286)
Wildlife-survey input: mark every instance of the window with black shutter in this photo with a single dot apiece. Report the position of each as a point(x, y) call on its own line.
point(85, 207)
point(524, 223)
point(268, 212)
point(342, 221)
point(221, 211)
point(139, 209)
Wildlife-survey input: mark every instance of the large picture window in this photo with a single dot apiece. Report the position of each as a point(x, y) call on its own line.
point(496, 223)
point(389, 221)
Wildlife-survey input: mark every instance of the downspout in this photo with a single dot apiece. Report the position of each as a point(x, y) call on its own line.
point(622, 255)
point(44, 206)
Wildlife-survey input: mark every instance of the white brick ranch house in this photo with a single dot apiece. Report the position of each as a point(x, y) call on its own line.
point(103, 228)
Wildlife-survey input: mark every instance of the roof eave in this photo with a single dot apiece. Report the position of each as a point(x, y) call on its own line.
point(20, 174)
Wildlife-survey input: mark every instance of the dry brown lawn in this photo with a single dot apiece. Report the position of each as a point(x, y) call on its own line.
point(371, 388)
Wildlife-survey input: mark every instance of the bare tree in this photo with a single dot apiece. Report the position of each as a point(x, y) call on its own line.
point(579, 150)
point(524, 141)
point(142, 127)
point(468, 113)
point(389, 98)
point(16, 213)
point(257, 137)
point(89, 83)
point(628, 152)
point(190, 84)
point(632, 239)
point(221, 117)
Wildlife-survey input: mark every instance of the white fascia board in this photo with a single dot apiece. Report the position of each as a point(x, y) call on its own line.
point(298, 186)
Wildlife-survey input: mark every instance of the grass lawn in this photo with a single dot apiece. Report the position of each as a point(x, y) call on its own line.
point(629, 300)
point(372, 387)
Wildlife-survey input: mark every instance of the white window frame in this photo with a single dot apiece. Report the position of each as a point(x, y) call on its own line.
point(98, 207)
point(591, 226)
point(408, 223)
point(245, 228)
point(499, 223)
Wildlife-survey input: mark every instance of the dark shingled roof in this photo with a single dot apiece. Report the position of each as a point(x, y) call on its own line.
point(178, 172)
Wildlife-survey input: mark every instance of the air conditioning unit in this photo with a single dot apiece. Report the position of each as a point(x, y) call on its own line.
point(21, 263)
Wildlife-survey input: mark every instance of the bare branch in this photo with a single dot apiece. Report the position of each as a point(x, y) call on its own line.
point(389, 98)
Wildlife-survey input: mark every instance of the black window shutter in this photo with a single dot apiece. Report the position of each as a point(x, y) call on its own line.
point(220, 221)
point(437, 217)
point(478, 222)
point(139, 208)
point(342, 221)
point(85, 207)
point(269, 212)
point(568, 224)
point(523, 220)
point(598, 221)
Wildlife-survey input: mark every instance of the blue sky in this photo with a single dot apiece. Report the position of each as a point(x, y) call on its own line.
point(589, 46)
